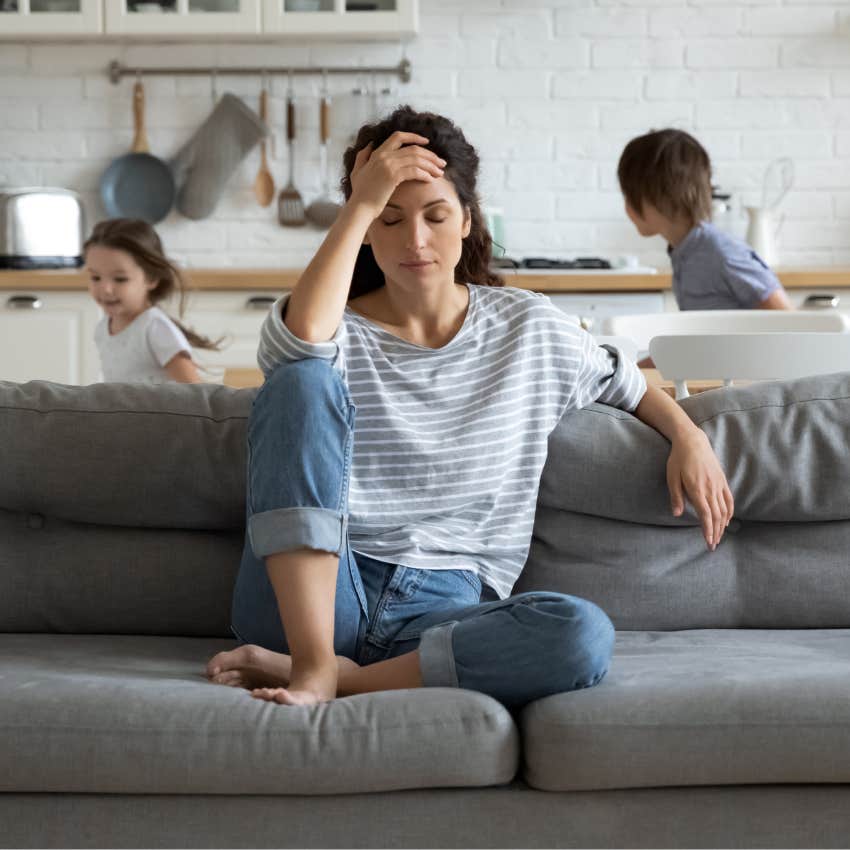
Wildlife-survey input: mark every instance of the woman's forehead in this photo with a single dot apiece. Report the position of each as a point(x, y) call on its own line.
point(416, 194)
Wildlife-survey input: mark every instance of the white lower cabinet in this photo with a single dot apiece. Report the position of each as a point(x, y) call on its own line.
point(48, 336)
point(591, 308)
point(235, 316)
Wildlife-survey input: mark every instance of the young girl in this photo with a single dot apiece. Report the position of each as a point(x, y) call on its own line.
point(128, 275)
point(382, 554)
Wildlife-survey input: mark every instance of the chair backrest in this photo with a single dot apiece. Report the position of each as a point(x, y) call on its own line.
point(643, 327)
point(748, 356)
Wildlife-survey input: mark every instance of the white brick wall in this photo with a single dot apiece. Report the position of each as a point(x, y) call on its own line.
point(548, 90)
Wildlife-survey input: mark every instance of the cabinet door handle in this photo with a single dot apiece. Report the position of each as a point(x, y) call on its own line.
point(820, 301)
point(23, 302)
point(260, 302)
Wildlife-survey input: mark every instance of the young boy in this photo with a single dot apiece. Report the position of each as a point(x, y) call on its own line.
point(665, 177)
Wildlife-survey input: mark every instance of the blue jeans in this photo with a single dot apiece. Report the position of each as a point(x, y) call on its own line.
point(300, 437)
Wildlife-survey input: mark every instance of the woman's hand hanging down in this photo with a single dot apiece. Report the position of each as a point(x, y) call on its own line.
point(693, 470)
point(377, 173)
point(318, 300)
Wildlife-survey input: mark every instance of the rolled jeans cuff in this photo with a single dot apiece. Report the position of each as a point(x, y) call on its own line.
point(285, 529)
point(436, 658)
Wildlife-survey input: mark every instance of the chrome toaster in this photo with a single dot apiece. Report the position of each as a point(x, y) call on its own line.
point(40, 228)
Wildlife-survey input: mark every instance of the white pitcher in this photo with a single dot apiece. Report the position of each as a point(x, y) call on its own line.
point(762, 230)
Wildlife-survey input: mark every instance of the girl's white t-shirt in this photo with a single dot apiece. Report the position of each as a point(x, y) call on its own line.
point(139, 352)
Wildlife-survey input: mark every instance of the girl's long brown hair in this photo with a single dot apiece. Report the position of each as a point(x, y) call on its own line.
point(447, 141)
point(138, 239)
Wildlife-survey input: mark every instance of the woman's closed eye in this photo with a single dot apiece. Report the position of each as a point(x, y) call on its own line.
point(397, 220)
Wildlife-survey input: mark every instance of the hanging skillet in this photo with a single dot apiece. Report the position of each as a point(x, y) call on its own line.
point(138, 184)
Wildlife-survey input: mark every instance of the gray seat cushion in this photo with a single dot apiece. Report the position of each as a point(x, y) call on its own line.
point(135, 715)
point(710, 707)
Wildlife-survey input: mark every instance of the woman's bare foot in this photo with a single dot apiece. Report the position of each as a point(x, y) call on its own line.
point(306, 692)
point(255, 668)
point(307, 686)
point(250, 666)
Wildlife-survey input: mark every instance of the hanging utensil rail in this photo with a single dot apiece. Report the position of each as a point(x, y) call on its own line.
point(116, 70)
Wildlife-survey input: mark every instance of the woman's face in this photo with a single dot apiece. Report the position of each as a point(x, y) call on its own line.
point(417, 239)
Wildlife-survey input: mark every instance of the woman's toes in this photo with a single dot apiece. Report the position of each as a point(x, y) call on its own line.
point(221, 662)
point(267, 694)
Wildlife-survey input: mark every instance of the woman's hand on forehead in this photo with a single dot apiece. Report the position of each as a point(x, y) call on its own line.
point(377, 173)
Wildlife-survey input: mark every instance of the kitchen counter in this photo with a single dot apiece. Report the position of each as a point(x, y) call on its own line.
point(833, 277)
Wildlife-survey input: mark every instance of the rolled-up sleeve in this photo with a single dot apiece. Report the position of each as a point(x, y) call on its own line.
point(279, 345)
point(605, 375)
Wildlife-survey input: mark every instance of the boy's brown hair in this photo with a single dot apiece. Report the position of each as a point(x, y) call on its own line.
point(671, 170)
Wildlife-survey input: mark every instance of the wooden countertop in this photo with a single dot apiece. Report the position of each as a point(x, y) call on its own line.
point(833, 277)
point(254, 377)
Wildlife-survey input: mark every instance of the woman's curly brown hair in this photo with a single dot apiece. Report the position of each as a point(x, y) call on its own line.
point(447, 141)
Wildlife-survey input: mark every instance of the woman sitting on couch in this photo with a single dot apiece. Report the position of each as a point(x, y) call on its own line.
point(382, 555)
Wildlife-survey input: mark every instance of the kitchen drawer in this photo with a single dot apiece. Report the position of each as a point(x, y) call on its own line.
point(48, 336)
point(589, 308)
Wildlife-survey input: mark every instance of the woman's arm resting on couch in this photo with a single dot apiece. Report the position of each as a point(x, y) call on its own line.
point(693, 469)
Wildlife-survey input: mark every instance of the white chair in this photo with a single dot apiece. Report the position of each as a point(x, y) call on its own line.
point(748, 356)
point(643, 327)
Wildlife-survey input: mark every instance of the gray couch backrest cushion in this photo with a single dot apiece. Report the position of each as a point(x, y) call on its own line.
point(166, 456)
point(122, 508)
point(604, 529)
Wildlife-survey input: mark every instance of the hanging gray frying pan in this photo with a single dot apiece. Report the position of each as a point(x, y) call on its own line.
point(138, 184)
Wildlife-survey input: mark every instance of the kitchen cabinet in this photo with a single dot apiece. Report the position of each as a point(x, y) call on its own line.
point(50, 17)
point(335, 19)
point(48, 336)
point(236, 316)
point(183, 17)
point(591, 308)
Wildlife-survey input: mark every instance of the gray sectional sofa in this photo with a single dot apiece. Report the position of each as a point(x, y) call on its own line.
point(723, 722)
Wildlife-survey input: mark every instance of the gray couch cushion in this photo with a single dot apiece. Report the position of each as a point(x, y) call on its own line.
point(169, 456)
point(59, 576)
point(604, 530)
point(783, 446)
point(763, 575)
point(700, 708)
point(135, 715)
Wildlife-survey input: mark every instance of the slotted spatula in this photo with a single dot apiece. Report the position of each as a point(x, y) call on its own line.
point(290, 206)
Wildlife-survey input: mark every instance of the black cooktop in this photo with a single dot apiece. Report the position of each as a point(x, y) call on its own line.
point(547, 263)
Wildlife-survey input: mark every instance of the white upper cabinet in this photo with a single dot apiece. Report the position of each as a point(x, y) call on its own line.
point(50, 17)
point(183, 17)
point(363, 19)
point(330, 18)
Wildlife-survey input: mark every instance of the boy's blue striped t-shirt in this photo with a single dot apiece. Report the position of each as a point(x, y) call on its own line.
point(450, 443)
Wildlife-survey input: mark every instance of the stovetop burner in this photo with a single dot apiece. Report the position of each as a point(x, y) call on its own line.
point(547, 263)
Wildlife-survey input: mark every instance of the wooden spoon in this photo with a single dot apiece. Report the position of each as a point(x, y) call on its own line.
point(264, 182)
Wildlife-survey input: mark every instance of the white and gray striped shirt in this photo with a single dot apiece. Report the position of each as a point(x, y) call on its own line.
point(449, 443)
